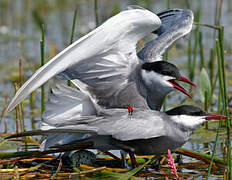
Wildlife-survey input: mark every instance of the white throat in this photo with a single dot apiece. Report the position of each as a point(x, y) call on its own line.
point(156, 88)
point(188, 122)
point(156, 82)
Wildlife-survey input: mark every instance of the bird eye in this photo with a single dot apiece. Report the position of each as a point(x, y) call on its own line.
point(167, 73)
point(197, 113)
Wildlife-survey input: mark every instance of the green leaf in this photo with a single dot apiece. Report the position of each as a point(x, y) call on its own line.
point(131, 173)
point(204, 85)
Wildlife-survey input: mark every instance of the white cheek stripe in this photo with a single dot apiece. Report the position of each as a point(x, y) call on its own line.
point(188, 121)
point(151, 77)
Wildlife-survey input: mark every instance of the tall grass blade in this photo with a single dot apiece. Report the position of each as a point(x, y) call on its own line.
point(216, 18)
point(96, 12)
point(202, 58)
point(168, 4)
point(73, 26)
point(206, 107)
point(17, 111)
point(212, 64)
point(195, 47)
point(189, 55)
point(72, 34)
point(165, 101)
point(222, 82)
point(187, 4)
point(42, 63)
point(32, 107)
point(214, 149)
point(20, 84)
point(3, 115)
point(225, 102)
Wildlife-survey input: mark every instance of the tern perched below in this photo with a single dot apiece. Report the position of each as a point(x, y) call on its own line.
point(104, 63)
point(143, 132)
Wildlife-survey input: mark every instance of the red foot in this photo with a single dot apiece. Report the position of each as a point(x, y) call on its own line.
point(130, 109)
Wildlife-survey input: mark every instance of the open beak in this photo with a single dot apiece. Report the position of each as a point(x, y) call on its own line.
point(215, 116)
point(180, 88)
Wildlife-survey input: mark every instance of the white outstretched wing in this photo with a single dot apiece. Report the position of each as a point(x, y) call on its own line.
point(106, 49)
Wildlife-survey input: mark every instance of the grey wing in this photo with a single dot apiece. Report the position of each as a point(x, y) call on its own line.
point(143, 124)
point(175, 24)
point(105, 79)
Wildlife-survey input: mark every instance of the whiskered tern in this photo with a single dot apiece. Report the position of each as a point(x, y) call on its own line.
point(143, 132)
point(104, 63)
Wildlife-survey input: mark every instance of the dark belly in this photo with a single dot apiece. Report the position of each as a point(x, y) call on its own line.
point(153, 146)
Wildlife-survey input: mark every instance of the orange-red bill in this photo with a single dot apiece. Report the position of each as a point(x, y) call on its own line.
point(180, 88)
point(184, 79)
point(215, 116)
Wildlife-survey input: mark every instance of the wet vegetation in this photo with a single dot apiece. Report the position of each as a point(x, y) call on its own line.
point(31, 32)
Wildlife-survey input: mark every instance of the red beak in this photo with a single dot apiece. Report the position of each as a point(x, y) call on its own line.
point(178, 87)
point(215, 116)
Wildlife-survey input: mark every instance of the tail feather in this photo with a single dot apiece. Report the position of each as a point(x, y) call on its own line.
point(49, 132)
point(67, 104)
point(54, 140)
point(56, 136)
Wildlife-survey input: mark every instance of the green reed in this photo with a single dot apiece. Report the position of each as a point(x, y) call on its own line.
point(42, 63)
point(189, 51)
point(72, 34)
point(217, 135)
point(221, 75)
point(73, 26)
point(17, 111)
point(222, 97)
point(187, 4)
point(213, 78)
point(225, 102)
point(206, 105)
point(4, 114)
point(20, 83)
point(201, 46)
point(96, 12)
point(168, 4)
point(194, 59)
point(215, 144)
point(223, 90)
point(32, 107)
point(212, 64)
point(216, 18)
point(192, 50)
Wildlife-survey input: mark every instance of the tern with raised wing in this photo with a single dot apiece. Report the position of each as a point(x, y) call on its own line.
point(104, 63)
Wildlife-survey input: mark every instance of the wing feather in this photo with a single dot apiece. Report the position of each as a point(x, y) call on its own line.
point(116, 37)
point(175, 24)
point(118, 124)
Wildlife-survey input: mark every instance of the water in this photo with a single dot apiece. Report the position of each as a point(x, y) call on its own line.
point(20, 37)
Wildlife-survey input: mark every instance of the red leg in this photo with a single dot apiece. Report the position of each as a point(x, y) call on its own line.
point(130, 109)
point(133, 160)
